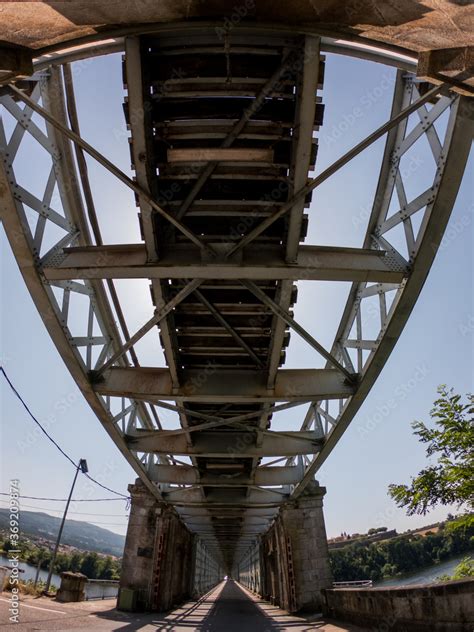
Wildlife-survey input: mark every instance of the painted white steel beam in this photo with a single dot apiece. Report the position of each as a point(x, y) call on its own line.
point(228, 444)
point(449, 173)
point(188, 475)
point(313, 263)
point(224, 386)
point(231, 496)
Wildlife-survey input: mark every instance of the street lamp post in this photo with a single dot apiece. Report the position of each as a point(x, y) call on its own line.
point(82, 466)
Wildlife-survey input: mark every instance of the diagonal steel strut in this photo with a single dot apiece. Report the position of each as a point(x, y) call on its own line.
point(220, 319)
point(281, 313)
point(214, 421)
point(118, 173)
point(340, 162)
point(236, 130)
point(154, 320)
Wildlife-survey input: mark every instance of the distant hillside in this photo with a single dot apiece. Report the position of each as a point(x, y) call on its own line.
point(81, 535)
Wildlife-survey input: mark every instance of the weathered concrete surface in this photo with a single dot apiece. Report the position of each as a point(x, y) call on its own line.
point(157, 559)
point(453, 64)
point(295, 554)
point(444, 607)
point(137, 565)
point(408, 24)
point(72, 587)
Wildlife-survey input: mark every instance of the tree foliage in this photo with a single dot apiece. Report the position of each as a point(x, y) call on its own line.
point(89, 563)
point(464, 569)
point(402, 554)
point(451, 441)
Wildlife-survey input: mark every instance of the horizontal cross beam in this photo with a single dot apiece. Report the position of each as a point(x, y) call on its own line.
point(225, 444)
point(231, 496)
point(200, 154)
point(247, 521)
point(314, 263)
point(118, 173)
point(191, 513)
point(189, 475)
point(224, 385)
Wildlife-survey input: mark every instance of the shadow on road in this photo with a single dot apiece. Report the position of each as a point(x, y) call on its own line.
point(230, 610)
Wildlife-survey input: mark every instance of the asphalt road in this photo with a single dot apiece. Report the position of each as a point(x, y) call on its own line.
point(228, 608)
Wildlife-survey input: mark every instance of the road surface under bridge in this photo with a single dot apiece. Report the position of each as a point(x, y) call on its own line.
point(228, 607)
point(224, 130)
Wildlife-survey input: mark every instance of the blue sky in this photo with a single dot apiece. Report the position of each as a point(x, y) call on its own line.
point(378, 448)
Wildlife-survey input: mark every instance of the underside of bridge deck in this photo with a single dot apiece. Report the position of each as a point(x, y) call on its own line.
point(227, 136)
point(223, 141)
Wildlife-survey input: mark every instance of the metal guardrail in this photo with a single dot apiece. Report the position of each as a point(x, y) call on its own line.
point(361, 583)
point(101, 589)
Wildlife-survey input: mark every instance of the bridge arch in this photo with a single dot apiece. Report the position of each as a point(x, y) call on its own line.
point(222, 162)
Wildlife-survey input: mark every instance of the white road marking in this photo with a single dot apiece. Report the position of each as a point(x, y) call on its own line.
point(22, 603)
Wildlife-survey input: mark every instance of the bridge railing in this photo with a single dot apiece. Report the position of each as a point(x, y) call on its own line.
point(360, 583)
point(101, 589)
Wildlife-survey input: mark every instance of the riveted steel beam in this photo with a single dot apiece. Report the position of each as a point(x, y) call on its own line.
point(313, 263)
point(229, 444)
point(224, 386)
point(188, 475)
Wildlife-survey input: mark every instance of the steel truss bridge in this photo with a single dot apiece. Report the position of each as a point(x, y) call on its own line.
point(223, 135)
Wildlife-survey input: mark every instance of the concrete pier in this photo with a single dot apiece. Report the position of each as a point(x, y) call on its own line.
point(157, 570)
point(295, 554)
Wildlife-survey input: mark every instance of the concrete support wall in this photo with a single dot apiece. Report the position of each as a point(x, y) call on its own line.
point(444, 607)
point(249, 570)
point(207, 573)
point(158, 560)
point(295, 558)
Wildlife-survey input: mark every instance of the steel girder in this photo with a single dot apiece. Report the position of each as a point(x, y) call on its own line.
point(130, 261)
point(230, 444)
point(232, 386)
point(99, 332)
point(380, 270)
point(263, 476)
point(367, 355)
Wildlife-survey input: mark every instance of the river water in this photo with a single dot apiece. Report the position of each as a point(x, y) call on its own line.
point(93, 589)
point(423, 575)
point(30, 571)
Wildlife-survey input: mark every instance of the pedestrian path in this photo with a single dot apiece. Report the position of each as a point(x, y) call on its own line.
point(227, 608)
point(231, 608)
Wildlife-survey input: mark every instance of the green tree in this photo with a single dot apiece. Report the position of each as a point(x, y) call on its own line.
point(75, 562)
point(106, 568)
point(464, 569)
point(90, 565)
point(63, 563)
point(450, 481)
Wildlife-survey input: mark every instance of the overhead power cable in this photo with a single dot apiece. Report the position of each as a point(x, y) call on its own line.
point(63, 500)
point(77, 513)
point(53, 441)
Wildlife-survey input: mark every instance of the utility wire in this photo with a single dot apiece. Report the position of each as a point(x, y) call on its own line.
point(77, 513)
point(87, 521)
point(63, 500)
point(53, 441)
